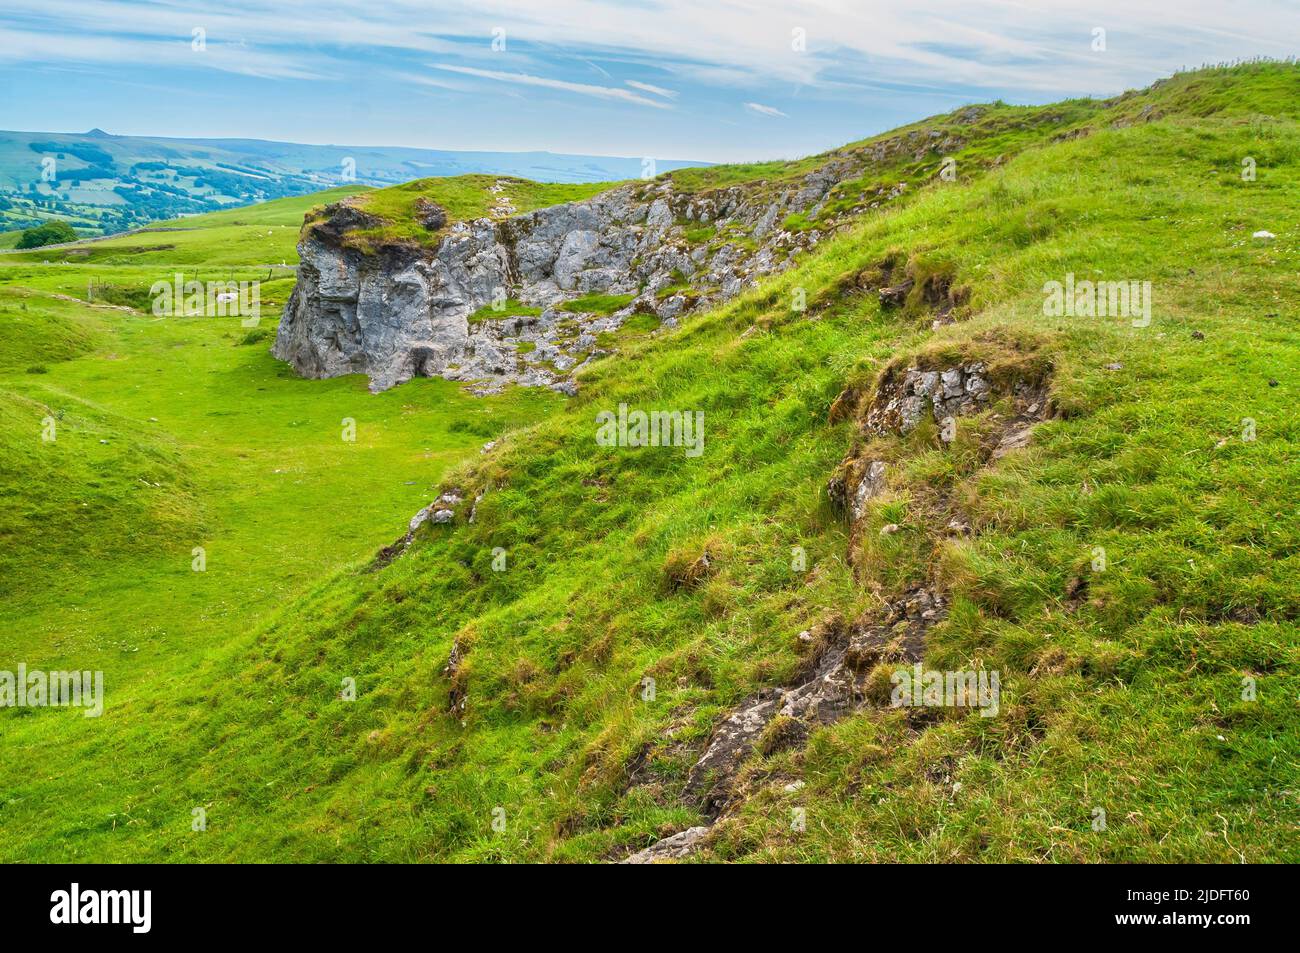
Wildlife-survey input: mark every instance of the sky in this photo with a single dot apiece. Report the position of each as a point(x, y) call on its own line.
point(711, 80)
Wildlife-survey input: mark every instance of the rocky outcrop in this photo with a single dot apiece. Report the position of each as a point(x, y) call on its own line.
point(405, 309)
point(947, 392)
point(850, 666)
point(408, 310)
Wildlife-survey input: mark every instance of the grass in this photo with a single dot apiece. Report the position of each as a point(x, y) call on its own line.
point(463, 198)
point(598, 303)
point(177, 433)
point(253, 235)
point(510, 308)
point(569, 587)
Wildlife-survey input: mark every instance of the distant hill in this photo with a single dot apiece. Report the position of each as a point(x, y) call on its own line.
point(101, 183)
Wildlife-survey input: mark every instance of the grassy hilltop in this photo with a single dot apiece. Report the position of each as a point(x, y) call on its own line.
point(1122, 688)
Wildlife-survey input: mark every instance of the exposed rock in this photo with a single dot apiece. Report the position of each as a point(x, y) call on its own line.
point(440, 511)
point(873, 481)
point(901, 404)
point(403, 310)
point(429, 214)
point(834, 689)
point(670, 848)
point(732, 742)
point(454, 670)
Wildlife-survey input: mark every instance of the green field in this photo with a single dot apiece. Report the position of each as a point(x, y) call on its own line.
point(177, 433)
point(1173, 448)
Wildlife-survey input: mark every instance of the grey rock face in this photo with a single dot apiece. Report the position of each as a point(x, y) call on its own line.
point(670, 848)
point(952, 392)
point(405, 310)
point(873, 481)
point(732, 743)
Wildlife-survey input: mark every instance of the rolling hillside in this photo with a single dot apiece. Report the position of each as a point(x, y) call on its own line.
point(102, 184)
point(913, 458)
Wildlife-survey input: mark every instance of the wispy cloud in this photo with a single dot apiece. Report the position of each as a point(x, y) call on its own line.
point(687, 69)
point(1030, 44)
point(527, 79)
point(74, 48)
point(648, 88)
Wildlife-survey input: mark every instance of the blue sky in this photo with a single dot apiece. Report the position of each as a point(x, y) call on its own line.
point(719, 80)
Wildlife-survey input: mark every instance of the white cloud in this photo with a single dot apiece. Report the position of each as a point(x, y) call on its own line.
point(527, 79)
point(657, 90)
point(74, 49)
point(1030, 46)
point(764, 110)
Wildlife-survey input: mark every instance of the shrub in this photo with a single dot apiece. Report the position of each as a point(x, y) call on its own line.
point(51, 233)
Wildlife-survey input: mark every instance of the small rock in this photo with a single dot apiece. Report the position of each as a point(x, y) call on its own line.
point(1272, 382)
point(1264, 235)
point(794, 786)
point(670, 848)
point(889, 529)
point(443, 516)
point(1116, 366)
point(1198, 335)
point(429, 214)
point(805, 636)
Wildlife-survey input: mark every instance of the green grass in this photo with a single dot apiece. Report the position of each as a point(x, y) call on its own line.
point(177, 433)
point(510, 308)
point(264, 234)
point(463, 198)
point(598, 303)
point(224, 687)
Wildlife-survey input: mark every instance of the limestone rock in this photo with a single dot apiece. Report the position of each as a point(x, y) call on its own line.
point(403, 310)
point(670, 848)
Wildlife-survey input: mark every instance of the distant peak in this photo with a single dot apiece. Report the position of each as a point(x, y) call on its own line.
point(99, 133)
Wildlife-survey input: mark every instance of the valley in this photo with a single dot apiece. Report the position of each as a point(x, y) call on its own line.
point(439, 617)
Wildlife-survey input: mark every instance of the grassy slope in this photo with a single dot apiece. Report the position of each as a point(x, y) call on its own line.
point(173, 434)
point(1131, 703)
